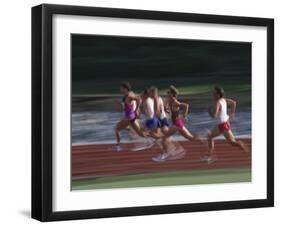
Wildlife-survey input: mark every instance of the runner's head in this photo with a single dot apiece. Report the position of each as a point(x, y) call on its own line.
point(173, 92)
point(125, 88)
point(218, 92)
point(153, 92)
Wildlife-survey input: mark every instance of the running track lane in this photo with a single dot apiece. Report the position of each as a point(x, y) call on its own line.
point(100, 160)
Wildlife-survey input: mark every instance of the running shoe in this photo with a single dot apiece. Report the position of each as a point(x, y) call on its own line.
point(161, 158)
point(117, 148)
point(209, 159)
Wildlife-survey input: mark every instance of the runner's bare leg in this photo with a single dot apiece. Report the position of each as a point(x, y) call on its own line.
point(136, 126)
point(123, 124)
point(211, 144)
point(231, 139)
point(171, 131)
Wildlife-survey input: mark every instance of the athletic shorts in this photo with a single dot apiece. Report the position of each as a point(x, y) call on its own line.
point(179, 122)
point(224, 127)
point(130, 115)
point(151, 123)
point(163, 122)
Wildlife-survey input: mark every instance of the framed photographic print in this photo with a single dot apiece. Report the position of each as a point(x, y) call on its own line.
point(146, 112)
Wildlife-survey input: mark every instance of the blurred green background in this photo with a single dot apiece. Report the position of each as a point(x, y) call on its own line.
point(100, 63)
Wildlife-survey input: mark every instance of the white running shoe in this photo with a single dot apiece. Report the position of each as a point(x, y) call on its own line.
point(161, 158)
point(209, 159)
point(117, 148)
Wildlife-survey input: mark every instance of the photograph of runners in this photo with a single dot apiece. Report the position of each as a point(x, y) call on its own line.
point(159, 112)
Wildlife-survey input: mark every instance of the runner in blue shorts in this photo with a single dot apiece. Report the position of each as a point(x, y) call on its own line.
point(163, 124)
point(151, 122)
point(159, 109)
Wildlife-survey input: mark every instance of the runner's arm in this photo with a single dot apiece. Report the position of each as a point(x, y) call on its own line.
point(135, 97)
point(138, 101)
point(214, 113)
point(185, 106)
point(166, 106)
point(157, 103)
point(232, 104)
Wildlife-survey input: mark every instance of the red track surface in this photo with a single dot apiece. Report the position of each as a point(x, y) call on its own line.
point(99, 160)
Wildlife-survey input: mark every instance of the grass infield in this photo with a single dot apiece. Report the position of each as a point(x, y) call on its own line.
point(213, 176)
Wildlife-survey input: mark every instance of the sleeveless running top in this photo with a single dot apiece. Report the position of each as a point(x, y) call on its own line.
point(129, 109)
point(223, 116)
point(160, 107)
point(176, 119)
point(175, 112)
point(149, 104)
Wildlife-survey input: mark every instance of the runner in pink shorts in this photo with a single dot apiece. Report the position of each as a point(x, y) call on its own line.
point(178, 121)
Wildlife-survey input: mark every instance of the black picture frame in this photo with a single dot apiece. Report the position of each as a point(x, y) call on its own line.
point(42, 111)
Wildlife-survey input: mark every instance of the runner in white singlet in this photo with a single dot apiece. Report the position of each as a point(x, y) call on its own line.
point(150, 122)
point(159, 108)
point(219, 111)
point(223, 116)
